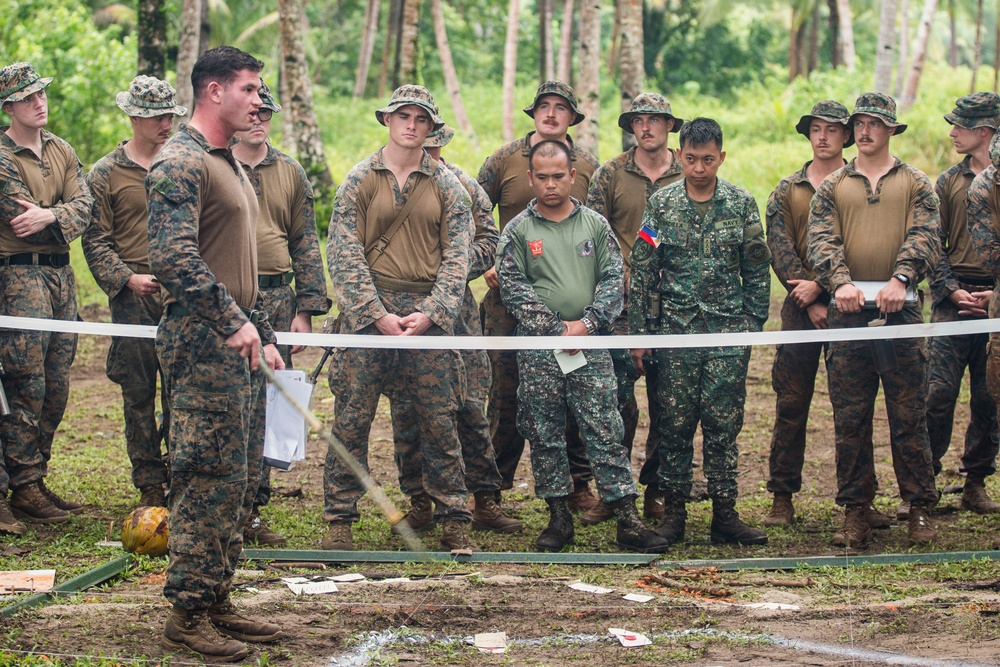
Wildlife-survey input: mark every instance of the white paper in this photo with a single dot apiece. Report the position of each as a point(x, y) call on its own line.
point(569, 362)
point(286, 429)
point(630, 639)
point(636, 597)
point(345, 578)
point(295, 580)
point(491, 642)
point(588, 588)
point(314, 588)
point(772, 605)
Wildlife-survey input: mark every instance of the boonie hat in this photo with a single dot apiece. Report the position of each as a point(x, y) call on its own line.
point(20, 80)
point(976, 110)
point(411, 94)
point(880, 105)
point(563, 90)
point(267, 100)
point(648, 103)
point(832, 112)
point(439, 138)
point(148, 97)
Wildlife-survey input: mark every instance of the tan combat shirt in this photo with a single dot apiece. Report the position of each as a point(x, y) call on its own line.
point(957, 255)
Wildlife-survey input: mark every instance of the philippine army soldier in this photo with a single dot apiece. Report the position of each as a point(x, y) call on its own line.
point(876, 220)
point(398, 253)
point(287, 247)
point(961, 288)
point(504, 176)
point(561, 274)
point(202, 247)
point(117, 250)
point(701, 256)
point(619, 191)
point(44, 205)
point(481, 475)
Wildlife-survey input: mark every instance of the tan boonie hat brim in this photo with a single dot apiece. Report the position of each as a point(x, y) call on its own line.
point(992, 122)
point(898, 127)
point(24, 82)
point(129, 105)
point(802, 127)
point(559, 89)
point(649, 104)
point(418, 95)
point(440, 138)
point(625, 120)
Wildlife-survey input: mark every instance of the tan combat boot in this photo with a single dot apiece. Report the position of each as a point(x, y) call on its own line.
point(453, 537)
point(31, 504)
point(920, 529)
point(582, 498)
point(975, 499)
point(8, 524)
point(782, 511)
point(488, 515)
point(421, 514)
point(856, 531)
point(903, 511)
point(257, 532)
point(599, 513)
point(61, 503)
point(229, 621)
point(152, 496)
point(876, 519)
point(193, 630)
point(652, 503)
point(338, 537)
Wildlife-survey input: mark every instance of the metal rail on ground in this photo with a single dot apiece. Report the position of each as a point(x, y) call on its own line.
point(89, 579)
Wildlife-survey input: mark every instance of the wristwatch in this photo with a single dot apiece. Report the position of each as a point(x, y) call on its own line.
point(591, 327)
point(903, 278)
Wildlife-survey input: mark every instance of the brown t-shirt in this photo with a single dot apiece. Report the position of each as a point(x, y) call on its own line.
point(952, 187)
point(282, 197)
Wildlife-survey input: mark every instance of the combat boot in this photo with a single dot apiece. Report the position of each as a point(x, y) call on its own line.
point(920, 529)
point(633, 534)
point(8, 524)
point(488, 515)
point(61, 503)
point(728, 528)
point(193, 630)
point(975, 499)
point(674, 519)
point(256, 532)
point(582, 498)
point(903, 511)
point(31, 504)
point(856, 532)
point(152, 496)
point(876, 519)
point(338, 537)
point(559, 532)
point(229, 621)
point(782, 511)
point(652, 503)
point(421, 514)
point(453, 537)
point(599, 513)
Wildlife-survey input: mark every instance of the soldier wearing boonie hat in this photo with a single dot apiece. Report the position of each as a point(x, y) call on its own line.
point(896, 253)
point(410, 94)
point(44, 198)
point(504, 176)
point(961, 288)
point(117, 250)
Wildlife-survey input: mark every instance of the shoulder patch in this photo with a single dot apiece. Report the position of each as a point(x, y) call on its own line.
point(754, 246)
point(164, 186)
point(585, 248)
point(642, 252)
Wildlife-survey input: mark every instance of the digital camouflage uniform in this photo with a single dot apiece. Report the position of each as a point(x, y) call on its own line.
point(204, 254)
point(367, 201)
point(546, 395)
point(713, 276)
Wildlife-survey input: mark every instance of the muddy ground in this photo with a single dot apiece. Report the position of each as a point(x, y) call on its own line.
point(838, 616)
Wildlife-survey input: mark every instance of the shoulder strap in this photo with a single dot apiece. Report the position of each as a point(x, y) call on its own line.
point(376, 252)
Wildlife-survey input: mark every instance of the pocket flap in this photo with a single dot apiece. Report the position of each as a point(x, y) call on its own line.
point(201, 401)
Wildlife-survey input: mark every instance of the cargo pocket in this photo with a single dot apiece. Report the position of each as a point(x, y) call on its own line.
point(14, 352)
point(202, 436)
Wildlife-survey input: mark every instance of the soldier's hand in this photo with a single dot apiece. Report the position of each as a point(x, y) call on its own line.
point(273, 359)
point(491, 278)
point(804, 292)
point(388, 325)
point(33, 220)
point(143, 284)
point(575, 328)
point(817, 315)
point(849, 298)
point(890, 298)
point(302, 323)
point(637, 357)
point(415, 324)
point(958, 296)
point(977, 305)
point(246, 341)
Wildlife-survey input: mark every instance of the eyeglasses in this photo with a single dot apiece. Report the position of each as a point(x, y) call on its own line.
point(264, 115)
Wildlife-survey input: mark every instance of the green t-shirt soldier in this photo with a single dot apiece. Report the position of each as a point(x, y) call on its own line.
point(700, 265)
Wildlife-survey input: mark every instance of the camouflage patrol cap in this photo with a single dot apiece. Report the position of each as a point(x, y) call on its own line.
point(267, 100)
point(881, 106)
point(20, 80)
point(995, 150)
point(148, 97)
point(976, 110)
point(411, 94)
point(832, 112)
point(440, 137)
point(648, 103)
point(563, 90)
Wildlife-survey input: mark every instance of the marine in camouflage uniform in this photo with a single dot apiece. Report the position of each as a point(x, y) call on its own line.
point(961, 288)
point(619, 191)
point(203, 249)
point(287, 247)
point(710, 268)
point(44, 205)
point(117, 250)
point(504, 177)
point(844, 246)
point(412, 285)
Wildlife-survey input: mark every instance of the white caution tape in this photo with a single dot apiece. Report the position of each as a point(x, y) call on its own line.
point(544, 342)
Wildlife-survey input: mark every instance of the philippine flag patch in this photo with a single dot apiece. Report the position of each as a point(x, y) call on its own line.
point(649, 235)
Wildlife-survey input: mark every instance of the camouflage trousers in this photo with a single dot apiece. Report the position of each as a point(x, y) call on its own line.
point(481, 472)
point(435, 379)
point(706, 385)
point(854, 384)
point(214, 463)
point(544, 399)
point(502, 407)
point(36, 364)
point(132, 364)
point(793, 378)
point(948, 357)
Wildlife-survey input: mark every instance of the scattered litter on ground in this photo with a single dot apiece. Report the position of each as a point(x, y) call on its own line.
point(26, 581)
point(636, 597)
point(630, 639)
point(589, 588)
point(491, 642)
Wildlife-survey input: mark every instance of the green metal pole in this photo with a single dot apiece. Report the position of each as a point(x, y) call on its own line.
point(86, 580)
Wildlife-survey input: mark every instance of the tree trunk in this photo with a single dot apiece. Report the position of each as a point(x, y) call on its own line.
point(833, 25)
point(408, 42)
point(846, 33)
point(631, 63)
point(299, 103)
point(616, 31)
point(886, 45)
point(977, 53)
point(564, 65)
point(904, 46)
point(811, 61)
point(996, 51)
point(367, 47)
point(288, 137)
point(187, 53)
point(152, 38)
point(953, 39)
point(450, 77)
point(391, 38)
point(205, 29)
point(546, 60)
point(588, 89)
point(510, 69)
point(919, 53)
point(793, 46)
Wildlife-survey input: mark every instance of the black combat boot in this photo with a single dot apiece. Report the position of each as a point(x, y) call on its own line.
point(559, 532)
point(728, 528)
point(674, 519)
point(633, 534)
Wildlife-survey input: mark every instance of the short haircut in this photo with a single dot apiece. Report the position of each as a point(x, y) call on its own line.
point(549, 148)
point(221, 64)
point(701, 132)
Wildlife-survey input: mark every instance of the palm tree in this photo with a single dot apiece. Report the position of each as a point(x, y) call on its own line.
point(448, 67)
point(588, 86)
point(510, 68)
point(886, 45)
point(367, 46)
point(919, 53)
